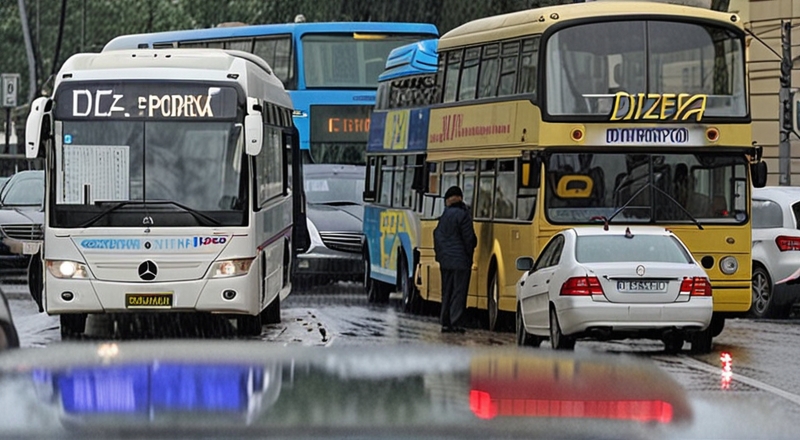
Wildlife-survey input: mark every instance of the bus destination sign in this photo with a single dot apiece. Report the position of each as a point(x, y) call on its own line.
point(144, 101)
point(340, 123)
point(658, 107)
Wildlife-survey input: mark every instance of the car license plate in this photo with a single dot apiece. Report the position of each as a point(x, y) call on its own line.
point(30, 247)
point(642, 286)
point(148, 300)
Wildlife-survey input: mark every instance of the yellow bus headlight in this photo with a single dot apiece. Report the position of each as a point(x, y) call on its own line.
point(728, 265)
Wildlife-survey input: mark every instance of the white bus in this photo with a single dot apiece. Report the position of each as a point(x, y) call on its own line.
point(169, 178)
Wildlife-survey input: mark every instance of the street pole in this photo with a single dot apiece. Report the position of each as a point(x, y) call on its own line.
point(784, 148)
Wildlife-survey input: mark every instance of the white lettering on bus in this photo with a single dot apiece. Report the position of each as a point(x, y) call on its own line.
point(647, 135)
point(94, 103)
point(174, 106)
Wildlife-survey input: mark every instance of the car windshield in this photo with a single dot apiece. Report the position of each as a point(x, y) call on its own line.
point(638, 248)
point(24, 191)
point(332, 189)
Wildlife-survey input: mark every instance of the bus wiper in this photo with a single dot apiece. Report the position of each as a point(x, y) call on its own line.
point(336, 203)
point(661, 191)
point(199, 216)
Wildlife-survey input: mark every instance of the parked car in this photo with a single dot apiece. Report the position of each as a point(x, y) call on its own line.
point(776, 250)
point(592, 283)
point(334, 215)
point(21, 218)
point(8, 333)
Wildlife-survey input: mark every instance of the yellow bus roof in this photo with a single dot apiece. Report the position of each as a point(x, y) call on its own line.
point(536, 21)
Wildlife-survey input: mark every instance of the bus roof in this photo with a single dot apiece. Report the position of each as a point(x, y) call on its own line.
point(536, 21)
point(136, 40)
point(178, 64)
point(411, 59)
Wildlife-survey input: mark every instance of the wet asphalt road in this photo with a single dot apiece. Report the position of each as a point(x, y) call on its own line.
point(766, 376)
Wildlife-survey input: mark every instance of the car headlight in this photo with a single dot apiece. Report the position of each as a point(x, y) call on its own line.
point(231, 268)
point(67, 269)
point(728, 265)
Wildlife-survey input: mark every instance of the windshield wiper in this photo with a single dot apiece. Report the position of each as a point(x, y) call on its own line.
point(669, 197)
point(199, 216)
point(336, 203)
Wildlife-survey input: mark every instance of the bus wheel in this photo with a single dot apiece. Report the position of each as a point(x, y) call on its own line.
point(73, 324)
point(493, 300)
point(411, 301)
point(272, 314)
point(248, 325)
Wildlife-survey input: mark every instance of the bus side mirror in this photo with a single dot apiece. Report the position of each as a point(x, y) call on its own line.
point(530, 171)
point(254, 133)
point(758, 171)
point(34, 125)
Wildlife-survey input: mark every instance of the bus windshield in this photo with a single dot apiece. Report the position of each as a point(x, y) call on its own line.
point(650, 57)
point(350, 61)
point(194, 164)
point(658, 187)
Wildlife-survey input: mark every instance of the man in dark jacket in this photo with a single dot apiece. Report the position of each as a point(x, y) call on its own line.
point(454, 242)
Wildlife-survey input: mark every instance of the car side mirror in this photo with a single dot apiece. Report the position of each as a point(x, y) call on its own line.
point(524, 264)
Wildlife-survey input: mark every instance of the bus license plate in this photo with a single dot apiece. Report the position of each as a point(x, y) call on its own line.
point(641, 286)
point(148, 300)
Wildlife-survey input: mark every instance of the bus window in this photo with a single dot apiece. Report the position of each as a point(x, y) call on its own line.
point(529, 71)
point(468, 183)
point(399, 185)
point(408, 186)
point(490, 65)
point(508, 68)
point(277, 52)
point(505, 190)
point(451, 75)
point(485, 190)
point(386, 180)
point(469, 74)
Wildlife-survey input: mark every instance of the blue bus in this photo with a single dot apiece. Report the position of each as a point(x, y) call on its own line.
point(395, 180)
point(330, 70)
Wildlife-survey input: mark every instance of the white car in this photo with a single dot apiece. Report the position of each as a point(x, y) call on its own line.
point(592, 283)
point(776, 250)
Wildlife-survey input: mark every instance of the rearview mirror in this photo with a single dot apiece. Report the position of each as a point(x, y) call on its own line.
point(758, 171)
point(33, 126)
point(524, 263)
point(253, 133)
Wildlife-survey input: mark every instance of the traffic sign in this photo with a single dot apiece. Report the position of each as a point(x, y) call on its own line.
point(10, 86)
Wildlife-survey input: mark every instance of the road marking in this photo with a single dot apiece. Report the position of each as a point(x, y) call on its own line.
point(694, 363)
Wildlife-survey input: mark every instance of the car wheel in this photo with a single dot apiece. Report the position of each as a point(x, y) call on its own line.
point(525, 339)
point(558, 340)
point(73, 324)
point(411, 300)
point(247, 325)
point(272, 314)
point(762, 294)
point(702, 341)
point(673, 343)
point(493, 298)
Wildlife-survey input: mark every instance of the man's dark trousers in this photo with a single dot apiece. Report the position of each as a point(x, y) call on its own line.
point(455, 284)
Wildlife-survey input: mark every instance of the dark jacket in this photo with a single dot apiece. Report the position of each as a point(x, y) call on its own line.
point(454, 238)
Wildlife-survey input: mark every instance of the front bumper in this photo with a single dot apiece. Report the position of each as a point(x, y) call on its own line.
point(204, 295)
point(327, 264)
point(576, 315)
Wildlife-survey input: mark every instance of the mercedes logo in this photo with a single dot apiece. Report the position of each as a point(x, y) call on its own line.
point(639, 270)
point(148, 270)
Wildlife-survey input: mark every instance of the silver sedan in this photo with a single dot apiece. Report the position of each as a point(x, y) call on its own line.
point(592, 283)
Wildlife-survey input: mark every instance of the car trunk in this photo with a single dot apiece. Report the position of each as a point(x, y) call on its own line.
point(640, 282)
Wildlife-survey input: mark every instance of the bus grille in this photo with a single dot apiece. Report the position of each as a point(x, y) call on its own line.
point(23, 232)
point(343, 241)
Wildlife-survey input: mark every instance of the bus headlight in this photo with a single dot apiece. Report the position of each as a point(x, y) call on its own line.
point(728, 265)
point(67, 269)
point(231, 268)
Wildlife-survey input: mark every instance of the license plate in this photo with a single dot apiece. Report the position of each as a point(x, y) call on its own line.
point(30, 247)
point(641, 286)
point(148, 300)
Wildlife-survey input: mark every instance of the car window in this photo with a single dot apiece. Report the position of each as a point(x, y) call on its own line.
point(639, 248)
point(552, 249)
point(326, 189)
point(768, 214)
point(24, 192)
point(796, 212)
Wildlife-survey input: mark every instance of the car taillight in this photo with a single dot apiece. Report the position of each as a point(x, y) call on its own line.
point(697, 286)
point(786, 243)
point(582, 286)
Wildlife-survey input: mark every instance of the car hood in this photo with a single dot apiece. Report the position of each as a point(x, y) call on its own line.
point(347, 218)
point(190, 389)
point(21, 215)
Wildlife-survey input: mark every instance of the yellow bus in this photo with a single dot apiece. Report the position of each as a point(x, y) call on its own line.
point(619, 112)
